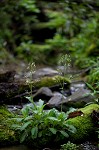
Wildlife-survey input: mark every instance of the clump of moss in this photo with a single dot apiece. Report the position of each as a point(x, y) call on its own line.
point(7, 135)
point(51, 81)
point(88, 109)
point(83, 124)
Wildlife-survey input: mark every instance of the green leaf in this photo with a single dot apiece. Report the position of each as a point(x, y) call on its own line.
point(89, 85)
point(34, 132)
point(53, 130)
point(28, 118)
point(40, 134)
point(72, 129)
point(25, 111)
point(40, 105)
point(16, 126)
point(19, 119)
point(53, 118)
point(29, 98)
point(64, 133)
point(25, 125)
point(62, 116)
point(23, 137)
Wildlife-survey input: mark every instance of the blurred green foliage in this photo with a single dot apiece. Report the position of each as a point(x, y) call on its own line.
point(16, 19)
point(33, 30)
point(93, 77)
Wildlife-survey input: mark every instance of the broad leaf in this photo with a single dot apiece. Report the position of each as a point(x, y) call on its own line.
point(17, 119)
point(53, 118)
point(28, 118)
point(64, 133)
point(40, 134)
point(25, 125)
point(25, 111)
point(16, 126)
point(23, 137)
point(34, 132)
point(72, 128)
point(53, 130)
point(40, 105)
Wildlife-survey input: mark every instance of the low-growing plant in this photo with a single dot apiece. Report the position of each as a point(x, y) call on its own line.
point(35, 122)
point(69, 146)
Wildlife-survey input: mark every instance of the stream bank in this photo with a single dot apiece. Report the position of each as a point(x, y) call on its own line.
point(74, 92)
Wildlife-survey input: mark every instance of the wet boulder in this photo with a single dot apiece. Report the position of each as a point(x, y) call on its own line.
point(78, 99)
point(51, 82)
point(43, 93)
point(56, 99)
point(84, 124)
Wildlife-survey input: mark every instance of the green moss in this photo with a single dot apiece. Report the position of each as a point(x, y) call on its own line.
point(51, 81)
point(88, 109)
point(7, 135)
point(4, 113)
point(84, 125)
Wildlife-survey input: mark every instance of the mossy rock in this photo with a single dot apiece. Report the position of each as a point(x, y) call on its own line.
point(7, 135)
point(84, 124)
point(51, 81)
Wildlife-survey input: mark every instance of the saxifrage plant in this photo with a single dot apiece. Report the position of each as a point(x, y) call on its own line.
point(35, 123)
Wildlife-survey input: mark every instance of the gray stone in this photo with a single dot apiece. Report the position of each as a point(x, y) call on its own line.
point(43, 93)
point(44, 72)
point(81, 95)
point(56, 99)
